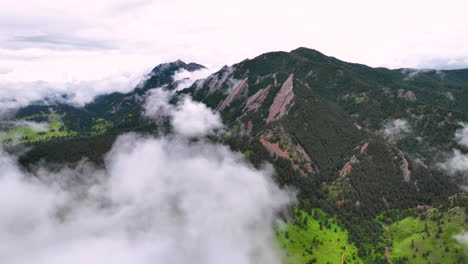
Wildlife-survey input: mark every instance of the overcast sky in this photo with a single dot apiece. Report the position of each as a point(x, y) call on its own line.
point(61, 41)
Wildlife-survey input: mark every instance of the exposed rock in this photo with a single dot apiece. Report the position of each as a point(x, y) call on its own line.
point(274, 148)
point(249, 127)
point(213, 84)
point(263, 78)
point(255, 101)
point(303, 152)
point(387, 91)
point(282, 100)
point(219, 78)
point(311, 74)
point(408, 96)
point(364, 147)
point(421, 163)
point(348, 167)
point(405, 167)
point(240, 91)
point(286, 148)
point(358, 126)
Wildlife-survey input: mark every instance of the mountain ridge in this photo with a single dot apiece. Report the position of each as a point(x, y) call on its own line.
point(320, 121)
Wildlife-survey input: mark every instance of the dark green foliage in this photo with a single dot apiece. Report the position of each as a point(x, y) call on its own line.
point(338, 107)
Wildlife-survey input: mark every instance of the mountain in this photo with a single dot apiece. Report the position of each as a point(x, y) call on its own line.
point(359, 143)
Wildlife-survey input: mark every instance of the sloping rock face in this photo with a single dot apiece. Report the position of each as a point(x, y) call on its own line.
point(282, 100)
point(408, 96)
point(255, 101)
point(405, 167)
point(239, 92)
point(217, 80)
point(348, 167)
point(364, 147)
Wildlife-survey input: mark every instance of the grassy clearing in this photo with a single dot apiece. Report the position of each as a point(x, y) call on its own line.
point(100, 126)
point(27, 134)
point(315, 238)
point(429, 239)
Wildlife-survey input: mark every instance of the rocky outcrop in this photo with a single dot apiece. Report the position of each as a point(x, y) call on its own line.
point(364, 148)
point(348, 167)
point(405, 167)
point(255, 101)
point(274, 148)
point(408, 96)
point(278, 143)
point(217, 80)
point(239, 92)
point(282, 100)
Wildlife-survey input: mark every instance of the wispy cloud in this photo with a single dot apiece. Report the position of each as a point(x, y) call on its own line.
point(396, 129)
point(461, 135)
point(456, 163)
point(58, 42)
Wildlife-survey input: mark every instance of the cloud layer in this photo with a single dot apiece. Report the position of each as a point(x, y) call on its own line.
point(56, 42)
point(158, 200)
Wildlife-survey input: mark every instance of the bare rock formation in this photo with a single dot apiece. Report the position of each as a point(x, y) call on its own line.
point(282, 100)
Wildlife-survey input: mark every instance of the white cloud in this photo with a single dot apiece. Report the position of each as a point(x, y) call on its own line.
point(211, 32)
point(49, 46)
point(462, 237)
point(159, 200)
point(189, 118)
point(35, 126)
point(157, 103)
point(456, 162)
point(395, 129)
point(195, 119)
point(461, 135)
point(17, 94)
point(186, 78)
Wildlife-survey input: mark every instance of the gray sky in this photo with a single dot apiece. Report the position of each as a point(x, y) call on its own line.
point(70, 41)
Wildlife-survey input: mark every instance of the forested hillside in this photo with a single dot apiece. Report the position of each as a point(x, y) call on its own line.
point(360, 145)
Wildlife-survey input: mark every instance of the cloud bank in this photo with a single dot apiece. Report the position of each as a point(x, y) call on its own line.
point(158, 200)
point(78, 93)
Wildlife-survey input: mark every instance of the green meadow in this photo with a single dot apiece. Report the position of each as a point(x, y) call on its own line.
point(429, 238)
point(27, 134)
point(315, 238)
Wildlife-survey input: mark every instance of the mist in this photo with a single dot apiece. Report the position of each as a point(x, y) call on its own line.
point(456, 162)
point(166, 199)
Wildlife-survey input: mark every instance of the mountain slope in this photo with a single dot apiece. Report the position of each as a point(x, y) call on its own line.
point(320, 121)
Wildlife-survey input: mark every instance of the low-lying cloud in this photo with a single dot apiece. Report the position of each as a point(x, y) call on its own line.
point(186, 78)
point(189, 118)
point(35, 126)
point(396, 129)
point(19, 94)
point(461, 135)
point(456, 163)
point(462, 237)
point(158, 200)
